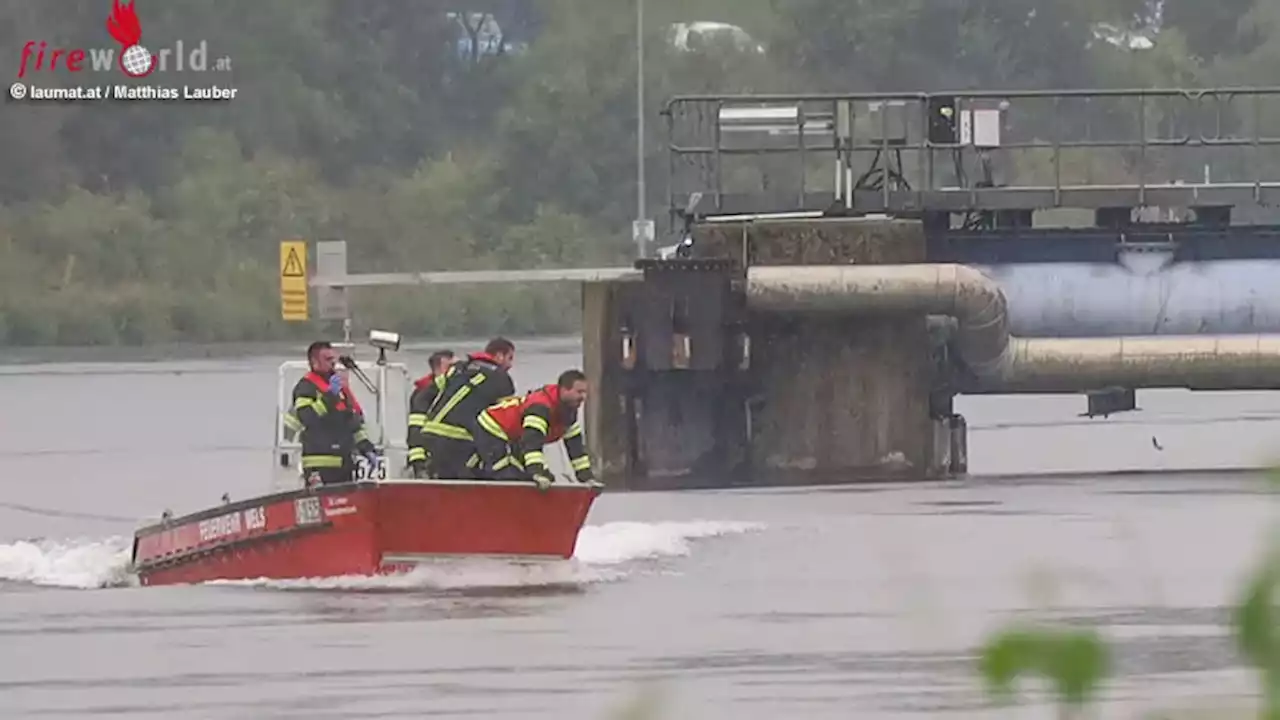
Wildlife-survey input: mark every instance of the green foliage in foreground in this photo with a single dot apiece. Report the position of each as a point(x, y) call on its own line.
point(1074, 661)
point(1255, 623)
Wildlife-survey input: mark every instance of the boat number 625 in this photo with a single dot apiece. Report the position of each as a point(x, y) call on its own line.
point(364, 472)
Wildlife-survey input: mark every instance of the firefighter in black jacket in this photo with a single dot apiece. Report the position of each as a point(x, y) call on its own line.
point(470, 386)
point(332, 423)
point(425, 391)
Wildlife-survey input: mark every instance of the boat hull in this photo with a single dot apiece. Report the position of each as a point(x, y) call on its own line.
point(363, 529)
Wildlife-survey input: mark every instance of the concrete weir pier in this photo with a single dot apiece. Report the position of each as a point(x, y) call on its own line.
point(835, 395)
point(826, 351)
point(698, 388)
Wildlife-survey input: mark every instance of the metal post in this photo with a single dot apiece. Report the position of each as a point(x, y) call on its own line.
point(640, 170)
point(382, 407)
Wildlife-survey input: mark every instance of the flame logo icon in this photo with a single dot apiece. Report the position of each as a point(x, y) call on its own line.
point(135, 60)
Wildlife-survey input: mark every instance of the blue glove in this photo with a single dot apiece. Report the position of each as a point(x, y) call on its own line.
point(335, 384)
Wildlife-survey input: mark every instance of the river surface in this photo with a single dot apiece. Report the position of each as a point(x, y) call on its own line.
point(860, 601)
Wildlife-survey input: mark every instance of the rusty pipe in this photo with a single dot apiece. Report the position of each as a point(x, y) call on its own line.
point(1003, 363)
point(1197, 362)
point(959, 291)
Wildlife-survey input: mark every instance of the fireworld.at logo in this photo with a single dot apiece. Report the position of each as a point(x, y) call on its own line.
point(133, 59)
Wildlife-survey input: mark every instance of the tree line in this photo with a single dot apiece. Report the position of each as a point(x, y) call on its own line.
point(466, 135)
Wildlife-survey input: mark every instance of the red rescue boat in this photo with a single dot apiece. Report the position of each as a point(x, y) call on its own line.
point(376, 526)
point(366, 528)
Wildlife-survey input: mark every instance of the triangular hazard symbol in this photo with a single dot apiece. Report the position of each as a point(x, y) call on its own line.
point(293, 265)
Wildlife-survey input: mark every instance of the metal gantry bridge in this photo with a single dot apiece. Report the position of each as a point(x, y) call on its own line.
point(960, 152)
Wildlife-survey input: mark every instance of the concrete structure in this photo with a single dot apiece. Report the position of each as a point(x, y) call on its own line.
point(834, 371)
point(694, 389)
point(833, 395)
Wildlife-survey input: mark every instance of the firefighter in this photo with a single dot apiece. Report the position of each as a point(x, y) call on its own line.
point(469, 387)
point(425, 391)
point(514, 431)
point(331, 421)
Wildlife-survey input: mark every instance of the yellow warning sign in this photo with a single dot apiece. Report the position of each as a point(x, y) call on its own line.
point(293, 281)
point(293, 267)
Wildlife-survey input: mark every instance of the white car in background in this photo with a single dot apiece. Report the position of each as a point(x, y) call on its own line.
point(687, 37)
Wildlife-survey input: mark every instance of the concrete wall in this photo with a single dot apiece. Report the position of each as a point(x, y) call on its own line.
point(839, 399)
point(681, 414)
point(824, 241)
point(844, 399)
point(605, 413)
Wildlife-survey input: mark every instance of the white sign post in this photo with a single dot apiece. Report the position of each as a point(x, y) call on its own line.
point(642, 232)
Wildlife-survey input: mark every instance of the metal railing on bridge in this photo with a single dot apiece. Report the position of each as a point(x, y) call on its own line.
point(472, 277)
point(963, 152)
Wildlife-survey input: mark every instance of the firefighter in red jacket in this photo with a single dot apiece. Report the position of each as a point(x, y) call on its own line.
point(332, 424)
point(514, 431)
point(425, 391)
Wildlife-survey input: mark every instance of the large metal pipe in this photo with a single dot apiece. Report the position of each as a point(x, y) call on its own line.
point(1002, 363)
point(1198, 362)
point(1144, 293)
